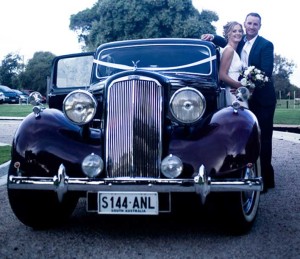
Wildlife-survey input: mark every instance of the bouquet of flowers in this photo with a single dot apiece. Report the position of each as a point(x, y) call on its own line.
point(252, 77)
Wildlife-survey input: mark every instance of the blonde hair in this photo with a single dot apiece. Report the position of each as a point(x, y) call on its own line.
point(228, 27)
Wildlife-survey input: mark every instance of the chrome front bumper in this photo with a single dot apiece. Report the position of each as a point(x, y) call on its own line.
point(200, 184)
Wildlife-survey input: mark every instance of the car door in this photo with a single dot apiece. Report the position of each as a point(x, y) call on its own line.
point(69, 72)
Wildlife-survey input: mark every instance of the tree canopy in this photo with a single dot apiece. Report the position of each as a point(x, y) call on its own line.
point(283, 69)
point(10, 68)
point(37, 70)
point(15, 74)
point(112, 20)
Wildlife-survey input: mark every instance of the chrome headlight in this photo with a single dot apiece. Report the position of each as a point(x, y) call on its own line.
point(187, 105)
point(171, 166)
point(80, 107)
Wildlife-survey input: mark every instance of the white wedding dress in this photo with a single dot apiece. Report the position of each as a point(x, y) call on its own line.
point(234, 71)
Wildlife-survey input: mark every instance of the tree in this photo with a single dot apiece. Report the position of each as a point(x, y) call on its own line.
point(112, 20)
point(283, 69)
point(82, 24)
point(11, 66)
point(36, 72)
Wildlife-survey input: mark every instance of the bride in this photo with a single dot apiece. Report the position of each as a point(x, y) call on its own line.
point(231, 64)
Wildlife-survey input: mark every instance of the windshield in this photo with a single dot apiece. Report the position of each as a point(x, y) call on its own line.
point(170, 58)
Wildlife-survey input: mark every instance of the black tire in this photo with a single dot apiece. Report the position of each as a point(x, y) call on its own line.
point(41, 209)
point(243, 206)
point(238, 210)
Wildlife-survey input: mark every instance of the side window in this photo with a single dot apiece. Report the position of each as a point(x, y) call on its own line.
point(74, 71)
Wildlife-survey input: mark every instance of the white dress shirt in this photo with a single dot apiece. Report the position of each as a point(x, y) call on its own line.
point(246, 50)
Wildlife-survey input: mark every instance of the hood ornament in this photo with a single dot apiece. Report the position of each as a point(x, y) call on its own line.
point(135, 64)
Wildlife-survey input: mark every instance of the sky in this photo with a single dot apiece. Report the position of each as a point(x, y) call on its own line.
point(28, 26)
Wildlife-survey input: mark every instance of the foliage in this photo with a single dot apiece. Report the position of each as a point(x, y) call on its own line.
point(10, 68)
point(82, 22)
point(33, 76)
point(37, 70)
point(112, 20)
point(283, 69)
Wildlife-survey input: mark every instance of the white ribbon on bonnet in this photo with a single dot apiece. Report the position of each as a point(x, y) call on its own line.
point(125, 67)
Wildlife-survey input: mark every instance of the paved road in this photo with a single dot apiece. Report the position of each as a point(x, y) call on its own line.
point(275, 234)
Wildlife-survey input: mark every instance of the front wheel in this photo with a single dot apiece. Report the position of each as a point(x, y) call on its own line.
point(41, 209)
point(242, 207)
point(237, 210)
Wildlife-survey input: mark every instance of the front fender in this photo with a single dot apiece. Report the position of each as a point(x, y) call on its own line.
point(229, 142)
point(44, 142)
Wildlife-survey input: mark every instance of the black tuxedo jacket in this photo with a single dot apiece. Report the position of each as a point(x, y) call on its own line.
point(262, 57)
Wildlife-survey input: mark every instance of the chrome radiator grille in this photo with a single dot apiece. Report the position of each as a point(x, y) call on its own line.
point(133, 130)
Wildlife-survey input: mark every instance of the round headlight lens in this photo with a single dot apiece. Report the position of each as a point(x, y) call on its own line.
point(92, 165)
point(80, 107)
point(171, 166)
point(187, 105)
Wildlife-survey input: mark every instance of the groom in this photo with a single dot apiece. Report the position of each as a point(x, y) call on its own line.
point(257, 51)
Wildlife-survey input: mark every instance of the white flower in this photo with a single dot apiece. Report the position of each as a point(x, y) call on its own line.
point(251, 85)
point(247, 72)
point(244, 82)
point(259, 77)
point(252, 77)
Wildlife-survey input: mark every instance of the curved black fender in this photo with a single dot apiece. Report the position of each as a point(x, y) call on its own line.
point(230, 141)
point(41, 143)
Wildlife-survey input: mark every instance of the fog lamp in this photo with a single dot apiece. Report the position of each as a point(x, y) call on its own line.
point(171, 166)
point(92, 165)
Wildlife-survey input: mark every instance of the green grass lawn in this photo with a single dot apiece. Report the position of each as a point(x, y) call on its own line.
point(12, 110)
point(15, 110)
point(287, 112)
point(4, 154)
point(287, 116)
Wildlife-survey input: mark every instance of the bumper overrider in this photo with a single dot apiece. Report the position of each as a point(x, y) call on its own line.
point(200, 184)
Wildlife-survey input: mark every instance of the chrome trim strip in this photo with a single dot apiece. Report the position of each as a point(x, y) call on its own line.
point(201, 184)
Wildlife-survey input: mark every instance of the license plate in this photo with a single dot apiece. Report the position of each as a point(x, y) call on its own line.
point(138, 203)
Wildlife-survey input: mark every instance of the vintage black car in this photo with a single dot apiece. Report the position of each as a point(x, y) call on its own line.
point(130, 128)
